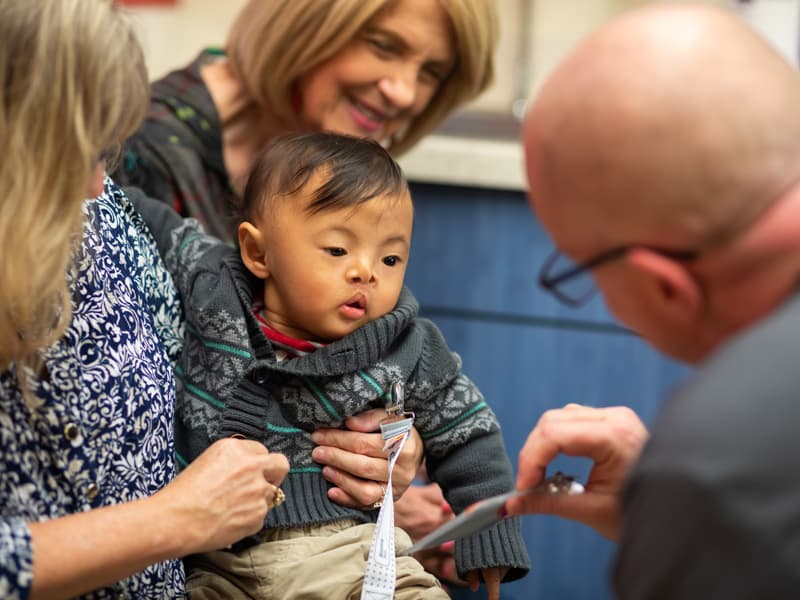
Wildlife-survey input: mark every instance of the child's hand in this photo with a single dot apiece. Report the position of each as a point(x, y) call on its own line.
point(491, 577)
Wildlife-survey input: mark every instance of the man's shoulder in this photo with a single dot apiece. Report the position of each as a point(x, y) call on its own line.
point(758, 369)
point(717, 487)
point(739, 413)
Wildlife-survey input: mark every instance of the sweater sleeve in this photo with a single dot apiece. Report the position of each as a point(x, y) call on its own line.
point(465, 454)
point(470, 472)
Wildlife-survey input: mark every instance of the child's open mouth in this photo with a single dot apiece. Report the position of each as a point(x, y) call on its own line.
point(355, 308)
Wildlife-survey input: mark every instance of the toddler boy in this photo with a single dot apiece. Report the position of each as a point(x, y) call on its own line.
point(306, 324)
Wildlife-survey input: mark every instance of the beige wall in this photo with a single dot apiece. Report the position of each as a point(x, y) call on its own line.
point(173, 35)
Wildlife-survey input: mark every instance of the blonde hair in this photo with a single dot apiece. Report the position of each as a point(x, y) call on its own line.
point(74, 83)
point(272, 43)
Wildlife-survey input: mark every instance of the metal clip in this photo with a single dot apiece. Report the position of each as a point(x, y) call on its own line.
point(397, 397)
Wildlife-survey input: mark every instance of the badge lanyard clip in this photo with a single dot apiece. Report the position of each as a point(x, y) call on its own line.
point(380, 575)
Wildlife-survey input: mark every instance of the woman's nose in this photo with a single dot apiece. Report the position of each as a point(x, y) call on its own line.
point(400, 86)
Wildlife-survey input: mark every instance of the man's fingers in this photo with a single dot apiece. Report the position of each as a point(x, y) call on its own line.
point(596, 433)
point(549, 438)
point(611, 437)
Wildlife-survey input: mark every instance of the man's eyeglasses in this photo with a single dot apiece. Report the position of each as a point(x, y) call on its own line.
point(572, 282)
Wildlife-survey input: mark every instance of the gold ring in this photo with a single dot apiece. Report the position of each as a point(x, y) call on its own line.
point(379, 502)
point(278, 497)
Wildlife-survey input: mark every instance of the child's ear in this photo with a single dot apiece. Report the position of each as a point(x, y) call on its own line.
point(251, 247)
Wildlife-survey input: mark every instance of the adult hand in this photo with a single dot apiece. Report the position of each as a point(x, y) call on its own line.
point(421, 510)
point(356, 463)
point(612, 437)
point(224, 494)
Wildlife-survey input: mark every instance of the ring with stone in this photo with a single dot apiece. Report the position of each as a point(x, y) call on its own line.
point(379, 502)
point(278, 497)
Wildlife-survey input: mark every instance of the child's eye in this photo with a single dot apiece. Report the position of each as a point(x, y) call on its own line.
point(336, 251)
point(391, 261)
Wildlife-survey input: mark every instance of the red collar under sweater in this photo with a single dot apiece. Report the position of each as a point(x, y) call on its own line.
point(285, 346)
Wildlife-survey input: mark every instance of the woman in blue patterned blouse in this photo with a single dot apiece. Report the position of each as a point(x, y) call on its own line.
point(87, 332)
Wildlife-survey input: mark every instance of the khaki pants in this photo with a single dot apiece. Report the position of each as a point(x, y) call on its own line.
point(319, 561)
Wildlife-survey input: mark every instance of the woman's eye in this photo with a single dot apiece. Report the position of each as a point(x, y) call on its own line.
point(336, 251)
point(380, 44)
point(391, 261)
point(430, 76)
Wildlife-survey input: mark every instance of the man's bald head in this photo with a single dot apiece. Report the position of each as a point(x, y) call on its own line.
point(666, 126)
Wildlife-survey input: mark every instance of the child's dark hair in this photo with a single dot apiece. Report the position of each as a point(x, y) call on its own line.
point(355, 169)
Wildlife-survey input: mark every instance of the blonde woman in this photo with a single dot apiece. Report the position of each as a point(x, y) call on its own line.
point(391, 70)
point(88, 318)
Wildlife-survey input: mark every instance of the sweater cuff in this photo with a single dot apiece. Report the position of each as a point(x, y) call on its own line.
point(501, 545)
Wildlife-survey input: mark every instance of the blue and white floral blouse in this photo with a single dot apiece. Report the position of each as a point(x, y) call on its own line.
point(100, 432)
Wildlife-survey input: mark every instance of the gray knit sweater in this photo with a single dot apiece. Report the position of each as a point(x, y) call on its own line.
point(229, 381)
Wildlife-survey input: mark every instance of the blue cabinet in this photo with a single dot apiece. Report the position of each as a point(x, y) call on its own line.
point(474, 261)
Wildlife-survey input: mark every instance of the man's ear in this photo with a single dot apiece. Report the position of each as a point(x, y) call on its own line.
point(251, 247)
point(671, 287)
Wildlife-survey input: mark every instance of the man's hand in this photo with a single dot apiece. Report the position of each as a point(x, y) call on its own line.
point(612, 437)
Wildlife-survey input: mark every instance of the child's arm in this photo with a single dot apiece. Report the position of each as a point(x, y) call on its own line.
point(465, 454)
point(471, 469)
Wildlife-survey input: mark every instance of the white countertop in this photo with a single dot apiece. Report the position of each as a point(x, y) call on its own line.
point(456, 160)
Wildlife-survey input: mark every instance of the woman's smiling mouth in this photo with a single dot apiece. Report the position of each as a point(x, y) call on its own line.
point(366, 117)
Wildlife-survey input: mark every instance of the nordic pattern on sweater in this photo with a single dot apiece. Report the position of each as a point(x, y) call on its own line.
point(230, 381)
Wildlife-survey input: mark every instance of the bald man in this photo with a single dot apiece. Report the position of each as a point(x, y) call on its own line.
point(663, 156)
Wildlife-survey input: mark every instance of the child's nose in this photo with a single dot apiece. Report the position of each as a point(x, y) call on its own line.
point(360, 271)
